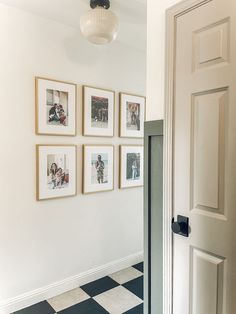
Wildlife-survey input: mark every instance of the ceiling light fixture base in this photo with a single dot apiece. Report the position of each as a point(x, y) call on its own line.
point(100, 3)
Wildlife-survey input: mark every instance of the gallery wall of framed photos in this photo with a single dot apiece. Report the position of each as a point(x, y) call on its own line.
point(100, 118)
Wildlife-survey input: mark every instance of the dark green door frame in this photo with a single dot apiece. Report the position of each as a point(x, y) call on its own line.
point(153, 217)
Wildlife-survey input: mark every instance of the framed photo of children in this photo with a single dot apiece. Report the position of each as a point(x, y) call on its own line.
point(132, 115)
point(131, 166)
point(56, 171)
point(98, 168)
point(98, 107)
point(55, 103)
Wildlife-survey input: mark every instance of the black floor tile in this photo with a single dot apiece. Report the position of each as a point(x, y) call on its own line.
point(139, 266)
point(136, 310)
point(99, 286)
point(135, 286)
point(86, 307)
point(39, 308)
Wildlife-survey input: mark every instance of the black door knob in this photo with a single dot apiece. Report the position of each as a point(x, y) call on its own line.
point(176, 227)
point(181, 226)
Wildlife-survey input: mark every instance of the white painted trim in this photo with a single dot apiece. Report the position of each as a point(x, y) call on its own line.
point(171, 16)
point(44, 293)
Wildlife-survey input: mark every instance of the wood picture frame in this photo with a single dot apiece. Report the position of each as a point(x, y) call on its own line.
point(98, 112)
point(131, 166)
point(56, 171)
point(55, 107)
point(98, 172)
point(132, 115)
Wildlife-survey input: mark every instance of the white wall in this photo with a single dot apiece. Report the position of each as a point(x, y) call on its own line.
point(45, 242)
point(156, 57)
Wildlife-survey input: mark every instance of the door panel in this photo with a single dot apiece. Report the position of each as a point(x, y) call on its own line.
point(208, 140)
point(207, 274)
point(211, 45)
point(204, 159)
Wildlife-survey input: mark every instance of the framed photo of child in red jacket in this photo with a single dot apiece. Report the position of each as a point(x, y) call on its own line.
point(55, 107)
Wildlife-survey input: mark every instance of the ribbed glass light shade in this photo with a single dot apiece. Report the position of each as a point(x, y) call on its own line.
point(99, 26)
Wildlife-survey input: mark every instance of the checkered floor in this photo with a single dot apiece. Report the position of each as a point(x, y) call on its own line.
point(119, 293)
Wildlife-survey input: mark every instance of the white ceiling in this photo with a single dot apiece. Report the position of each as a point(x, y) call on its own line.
point(131, 13)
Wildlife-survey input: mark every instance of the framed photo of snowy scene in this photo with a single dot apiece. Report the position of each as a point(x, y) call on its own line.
point(56, 171)
point(98, 108)
point(131, 166)
point(98, 167)
point(55, 103)
point(132, 115)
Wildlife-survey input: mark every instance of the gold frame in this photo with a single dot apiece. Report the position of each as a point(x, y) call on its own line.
point(83, 176)
point(120, 171)
point(83, 108)
point(120, 113)
point(37, 78)
point(37, 170)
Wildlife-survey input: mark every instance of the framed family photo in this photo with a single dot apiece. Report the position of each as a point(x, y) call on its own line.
point(98, 107)
point(56, 171)
point(55, 103)
point(132, 115)
point(131, 166)
point(98, 168)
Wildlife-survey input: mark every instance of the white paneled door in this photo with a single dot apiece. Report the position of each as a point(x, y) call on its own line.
point(204, 158)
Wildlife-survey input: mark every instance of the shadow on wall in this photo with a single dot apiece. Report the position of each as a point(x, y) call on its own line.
point(79, 50)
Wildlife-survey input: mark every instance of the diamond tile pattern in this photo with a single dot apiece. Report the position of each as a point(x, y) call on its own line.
point(39, 308)
point(118, 300)
point(99, 286)
point(139, 267)
point(68, 299)
point(126, 275)
point(85, 307)
point(136, 310)
point(119, 293)
point(135, 286)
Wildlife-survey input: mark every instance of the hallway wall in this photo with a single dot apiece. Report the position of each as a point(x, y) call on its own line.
point(46, 242)
point(156, 57)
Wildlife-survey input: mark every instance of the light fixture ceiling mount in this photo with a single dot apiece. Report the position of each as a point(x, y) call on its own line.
point(99, 25)
point(100, 3)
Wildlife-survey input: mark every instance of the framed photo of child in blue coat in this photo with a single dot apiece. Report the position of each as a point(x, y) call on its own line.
point(55, 107)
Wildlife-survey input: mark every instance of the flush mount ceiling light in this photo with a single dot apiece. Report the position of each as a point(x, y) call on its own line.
point(99, 25)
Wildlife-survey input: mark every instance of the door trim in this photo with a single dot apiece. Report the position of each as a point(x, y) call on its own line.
point(153, 299)
point(171, 19)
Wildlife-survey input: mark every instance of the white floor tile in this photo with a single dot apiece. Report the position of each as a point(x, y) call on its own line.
point(117, 300)
point(126, 275)
point(68, 299)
